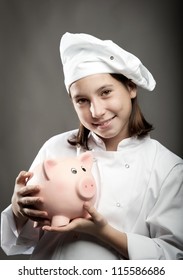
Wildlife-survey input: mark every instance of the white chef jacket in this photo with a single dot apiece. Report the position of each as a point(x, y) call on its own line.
point(140, 192)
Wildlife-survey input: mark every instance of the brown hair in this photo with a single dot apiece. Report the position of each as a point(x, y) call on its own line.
point(138, 126)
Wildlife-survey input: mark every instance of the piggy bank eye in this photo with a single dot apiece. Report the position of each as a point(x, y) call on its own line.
point(84, 169)
point(74, 170)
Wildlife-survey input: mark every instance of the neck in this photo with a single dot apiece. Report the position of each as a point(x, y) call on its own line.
point(111, 144)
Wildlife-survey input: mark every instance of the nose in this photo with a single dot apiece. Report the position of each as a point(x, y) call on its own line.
point(86, 188)
point(97, 109)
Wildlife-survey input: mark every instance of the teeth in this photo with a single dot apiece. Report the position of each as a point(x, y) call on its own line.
point(103, 123)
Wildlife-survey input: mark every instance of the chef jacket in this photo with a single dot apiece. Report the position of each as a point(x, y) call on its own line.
point(139, 192)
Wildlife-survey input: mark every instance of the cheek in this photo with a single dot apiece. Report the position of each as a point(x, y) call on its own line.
point(122, 106)
point(82, 114)
point(77, 110)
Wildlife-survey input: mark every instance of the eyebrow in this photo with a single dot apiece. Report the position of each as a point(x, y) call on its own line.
point(103, 87)
point(77, 96)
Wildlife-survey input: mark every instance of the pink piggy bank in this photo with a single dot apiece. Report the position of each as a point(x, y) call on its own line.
point(65, 185)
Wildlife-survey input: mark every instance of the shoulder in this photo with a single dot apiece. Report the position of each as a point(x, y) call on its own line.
point(164, 154)
point(153, 154)
point(55, 147)
point(163, 166)
point(61, 138)
point(164, 161)
point(58, 146)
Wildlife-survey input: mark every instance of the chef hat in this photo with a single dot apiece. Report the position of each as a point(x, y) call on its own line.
point(83, 55)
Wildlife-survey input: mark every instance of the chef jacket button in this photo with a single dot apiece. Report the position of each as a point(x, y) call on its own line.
point(127, 165)
point(118, 204)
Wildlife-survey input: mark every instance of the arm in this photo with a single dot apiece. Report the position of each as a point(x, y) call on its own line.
point(13, 242)
point(164, 222)
point(18, 236)
point(107, 233)
point(96, 226)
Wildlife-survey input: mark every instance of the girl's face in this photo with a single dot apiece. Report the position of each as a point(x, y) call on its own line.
point(103, 105)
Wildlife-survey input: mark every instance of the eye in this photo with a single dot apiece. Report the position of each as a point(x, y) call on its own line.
point(81, 101)
point(105, 92)
point(74, 170)
point(84, 169)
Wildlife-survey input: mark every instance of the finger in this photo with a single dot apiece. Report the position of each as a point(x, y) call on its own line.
point(34, 214)
point(97, 217)
point(23, 177)
point(29, 190)
point(55, 229)
point(77, 224)
point(31, 201)
point(64, 228)
point(41, 223)
point(47, 228)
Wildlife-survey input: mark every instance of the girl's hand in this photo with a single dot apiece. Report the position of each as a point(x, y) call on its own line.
point(97, 226)
point(90, 226)
point(24, 204)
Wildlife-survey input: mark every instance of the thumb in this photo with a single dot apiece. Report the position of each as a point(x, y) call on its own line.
point(96, 216)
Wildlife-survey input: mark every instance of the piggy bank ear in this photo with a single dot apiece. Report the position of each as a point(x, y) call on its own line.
point(48, 168)
point(87, 159)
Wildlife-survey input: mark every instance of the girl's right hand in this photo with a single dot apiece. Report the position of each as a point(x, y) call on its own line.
point(25, 202)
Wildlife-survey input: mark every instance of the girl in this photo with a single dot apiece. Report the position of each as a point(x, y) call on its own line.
point(139, 210)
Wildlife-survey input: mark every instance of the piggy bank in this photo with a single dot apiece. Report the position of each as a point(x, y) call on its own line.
point(65, 184)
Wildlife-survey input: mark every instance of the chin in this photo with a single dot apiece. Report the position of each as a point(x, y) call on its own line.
point(107, 135)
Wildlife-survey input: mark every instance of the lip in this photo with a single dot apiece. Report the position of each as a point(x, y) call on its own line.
point(103, 124)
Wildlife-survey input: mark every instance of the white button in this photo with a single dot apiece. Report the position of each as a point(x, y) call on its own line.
point(118, 204)
point(127, 165)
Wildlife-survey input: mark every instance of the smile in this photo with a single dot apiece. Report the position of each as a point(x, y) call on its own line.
point(104, 124)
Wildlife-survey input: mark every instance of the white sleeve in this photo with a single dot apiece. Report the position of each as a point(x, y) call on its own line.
point(13, 243)
point(165, 223)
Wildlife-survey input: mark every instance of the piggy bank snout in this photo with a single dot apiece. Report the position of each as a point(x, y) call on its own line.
point(86, 188)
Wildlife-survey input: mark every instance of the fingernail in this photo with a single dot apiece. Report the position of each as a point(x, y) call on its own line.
point(35, 225)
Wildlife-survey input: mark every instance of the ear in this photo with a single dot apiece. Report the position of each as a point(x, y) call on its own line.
point(133, 93)
point(87, 159)
point(48, 166)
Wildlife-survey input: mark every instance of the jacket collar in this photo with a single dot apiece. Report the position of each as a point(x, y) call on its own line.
point(95, 142)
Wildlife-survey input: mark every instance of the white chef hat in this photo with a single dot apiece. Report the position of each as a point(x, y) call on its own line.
point(83, 55)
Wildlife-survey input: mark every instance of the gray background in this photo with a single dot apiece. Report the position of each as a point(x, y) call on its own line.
point(33, 101)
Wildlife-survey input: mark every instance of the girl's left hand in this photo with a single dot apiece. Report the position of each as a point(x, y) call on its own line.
point(91, 226)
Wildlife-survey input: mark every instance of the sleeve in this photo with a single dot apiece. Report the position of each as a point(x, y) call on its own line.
point(165, 223)
point(13, 243)
point(24, 243)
